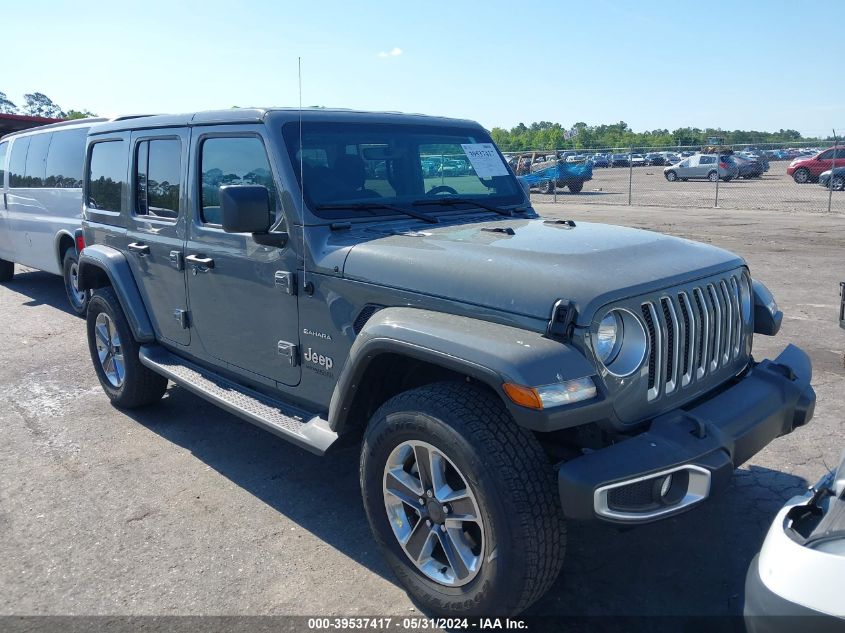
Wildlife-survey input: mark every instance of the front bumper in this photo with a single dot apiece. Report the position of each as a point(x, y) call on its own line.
point(699, 446)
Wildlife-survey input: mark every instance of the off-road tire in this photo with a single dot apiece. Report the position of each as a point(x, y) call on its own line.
point(548, 187)
point(575, 187)
point(7, 270)
point(141, 386)
point(671, 176)
point(801, 176)
point(510, 477)
point(70, 263)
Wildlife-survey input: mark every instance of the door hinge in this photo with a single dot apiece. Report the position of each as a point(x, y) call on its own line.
point(289, 351)
point(177, 260)
point(181, 317)
point(285, 281)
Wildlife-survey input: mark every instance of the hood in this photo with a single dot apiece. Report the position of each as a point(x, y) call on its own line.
point(540, 262)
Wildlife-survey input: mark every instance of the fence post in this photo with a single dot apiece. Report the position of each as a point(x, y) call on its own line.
point(630, 173)
point(832, 168)
point(718, 166)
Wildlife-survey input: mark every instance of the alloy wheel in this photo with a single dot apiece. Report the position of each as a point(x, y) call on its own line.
point(110, 350)
point(433, 513)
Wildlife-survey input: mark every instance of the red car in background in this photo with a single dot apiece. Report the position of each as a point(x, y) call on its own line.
point(808, 169)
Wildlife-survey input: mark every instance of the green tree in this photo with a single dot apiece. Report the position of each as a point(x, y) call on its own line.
point(79, 114)
point(6, 106)
point(39, 104)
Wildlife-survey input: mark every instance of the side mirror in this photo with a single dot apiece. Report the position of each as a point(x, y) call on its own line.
point(246, 209)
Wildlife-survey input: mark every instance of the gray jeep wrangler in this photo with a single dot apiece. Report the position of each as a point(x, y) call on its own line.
point(503, 373)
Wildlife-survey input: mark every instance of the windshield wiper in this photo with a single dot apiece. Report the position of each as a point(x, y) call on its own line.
point(368, 206)
point(452, 200)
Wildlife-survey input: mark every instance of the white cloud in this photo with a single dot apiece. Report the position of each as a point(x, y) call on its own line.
point(394, 52)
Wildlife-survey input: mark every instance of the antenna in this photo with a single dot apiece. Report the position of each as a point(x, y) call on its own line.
point(301, 171)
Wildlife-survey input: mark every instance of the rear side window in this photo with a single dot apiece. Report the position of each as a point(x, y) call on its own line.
point(36, 159)
point(232, 161)
point(826, 155)
point(106, 176)
point(3, 148)
point(158, 172)
point(65, 159)
point(707, 160)
point(17, 162)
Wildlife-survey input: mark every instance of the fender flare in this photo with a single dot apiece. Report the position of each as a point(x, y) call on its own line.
point(488, 352)
point(101, 266)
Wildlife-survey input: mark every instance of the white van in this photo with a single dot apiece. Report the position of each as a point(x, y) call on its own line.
point(41, 205)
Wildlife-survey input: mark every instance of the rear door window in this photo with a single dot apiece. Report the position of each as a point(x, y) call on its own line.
point(17, 162)
point(107, 176)
point(158, 174)
point(65, 159)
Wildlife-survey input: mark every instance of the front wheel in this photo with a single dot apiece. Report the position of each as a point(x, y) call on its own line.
point(801, 176)
point(461, 501)
point(671, 176)
point(838, 183)
point(77, 298)
point(114, 352)
point(7, 270)
point(575, 187)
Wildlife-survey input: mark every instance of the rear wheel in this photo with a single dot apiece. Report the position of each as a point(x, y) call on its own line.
point(575, 187)
point(7, 270)
point(838, 183)
point(77, 298)
point(801, 176)
point(713, 176)
point(114, 352)
point(548, 187)
point(461, 501)
point(671, 176)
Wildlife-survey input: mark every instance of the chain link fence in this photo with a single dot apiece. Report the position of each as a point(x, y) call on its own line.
point(781, 177)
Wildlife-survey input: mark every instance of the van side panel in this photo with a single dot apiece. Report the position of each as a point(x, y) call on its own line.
point(7, 251)
point(44, 199)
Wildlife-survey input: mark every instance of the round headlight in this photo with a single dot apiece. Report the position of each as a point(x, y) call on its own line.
point(620, 342)
point(607, 337)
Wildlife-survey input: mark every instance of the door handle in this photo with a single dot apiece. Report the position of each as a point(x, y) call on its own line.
point(200, 263)
point(138, 247)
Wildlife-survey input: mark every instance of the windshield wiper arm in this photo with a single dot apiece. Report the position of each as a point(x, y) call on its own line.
point(367, 206)
point(452, 200)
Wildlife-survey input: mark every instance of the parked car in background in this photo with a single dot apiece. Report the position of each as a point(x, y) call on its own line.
point(620, 160)
point(637, 160)
point(809, 169)
point(600, 160)
point(746, 167)
point(709, 166)
point(838, 179)
point(672, 159)
point(549, 171)
point(800, 567)
point(41, 202)
point(655, 158)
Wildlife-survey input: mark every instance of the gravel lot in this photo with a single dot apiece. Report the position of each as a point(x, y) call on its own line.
point(184, 509)
point(774, 191)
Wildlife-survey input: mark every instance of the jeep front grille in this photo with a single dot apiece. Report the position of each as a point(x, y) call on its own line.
point(693, 333)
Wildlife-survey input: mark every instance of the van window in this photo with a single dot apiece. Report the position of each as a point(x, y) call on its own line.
point(3, 148)
point(158, 171)
point(36, 159)
point(232, 161)
point(65, 159)
point(17, 162)
point(106, 176)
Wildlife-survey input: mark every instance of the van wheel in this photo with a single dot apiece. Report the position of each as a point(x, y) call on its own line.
point(7, 270)
point(461, 501)
point(77, 298)
point(114, 352)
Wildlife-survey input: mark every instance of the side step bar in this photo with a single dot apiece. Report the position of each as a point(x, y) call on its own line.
point(290, 423)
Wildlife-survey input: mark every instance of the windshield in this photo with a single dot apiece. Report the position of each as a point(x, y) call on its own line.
point(368, 165)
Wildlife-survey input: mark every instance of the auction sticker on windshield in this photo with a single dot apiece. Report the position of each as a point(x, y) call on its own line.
point(485, 159)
